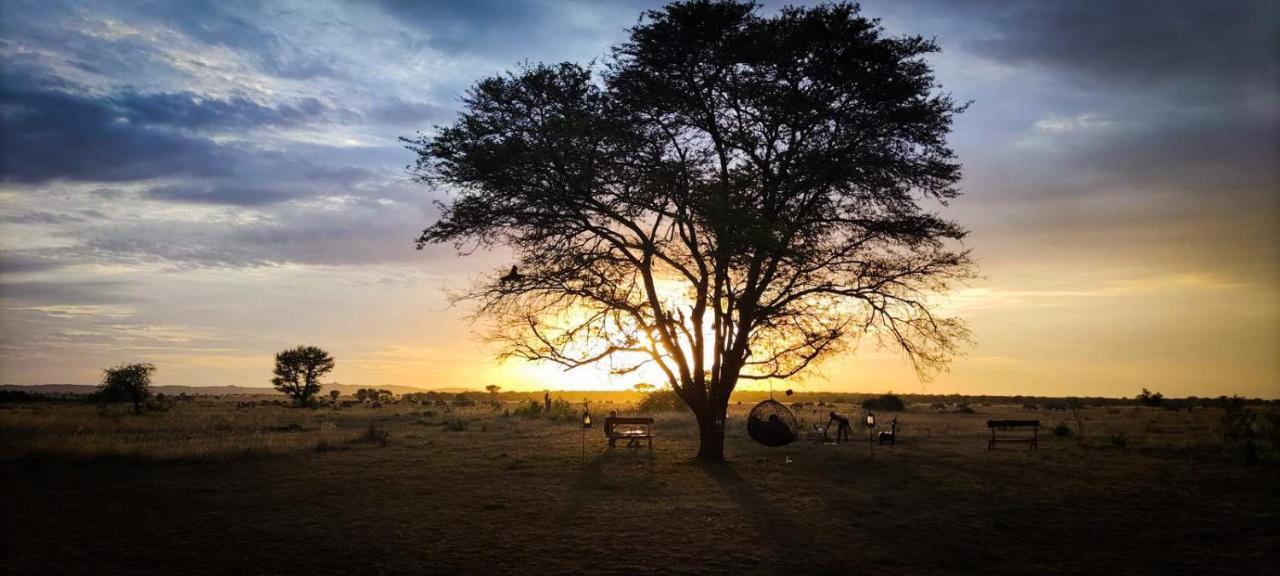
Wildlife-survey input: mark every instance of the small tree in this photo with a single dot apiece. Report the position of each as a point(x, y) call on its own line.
point(643, 387)
point(127, 383)
point(333, 395)
point(493, 389)
point(1148, 398)
point(1075, 405)
point(886, 402)
point(298, 372)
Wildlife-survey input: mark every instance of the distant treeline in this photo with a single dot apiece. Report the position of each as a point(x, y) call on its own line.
point(16, 394)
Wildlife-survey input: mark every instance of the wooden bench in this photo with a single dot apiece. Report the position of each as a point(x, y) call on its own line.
point(1005, 425)
point(633, 430)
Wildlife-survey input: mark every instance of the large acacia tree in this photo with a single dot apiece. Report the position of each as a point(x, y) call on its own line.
point(732, 196)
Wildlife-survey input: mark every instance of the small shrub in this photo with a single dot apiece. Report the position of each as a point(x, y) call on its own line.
point(1237, 420)
point(327, 446)
point(375, 434)
point(1062, 430)
point(885, 403)
point(530, 409)
point(1120, 440)
point(160, 403)
point(456, 425)
point(562, 410)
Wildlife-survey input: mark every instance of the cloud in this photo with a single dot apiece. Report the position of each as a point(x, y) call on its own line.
point(1078, 123)
point(397, 112)
point(193, 111)
point(1206, 47)
point(48, 134)
point(234, 193)
point(66, 292)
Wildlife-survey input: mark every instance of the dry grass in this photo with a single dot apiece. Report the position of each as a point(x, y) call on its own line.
point(473, 491)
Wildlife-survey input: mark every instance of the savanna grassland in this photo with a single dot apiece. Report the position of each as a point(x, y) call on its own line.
point(230, 486)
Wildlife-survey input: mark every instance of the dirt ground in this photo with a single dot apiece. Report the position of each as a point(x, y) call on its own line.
point(272, 490)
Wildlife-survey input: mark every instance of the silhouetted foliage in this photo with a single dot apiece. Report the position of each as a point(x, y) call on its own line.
point(733, 196)
point(1237, 419)
point(530, 409)
point(1075, 405)
point(1148, 398)
point(127, 383)
point(375, 434)
point(659, 401)
point(298, 372)
point(17, 396)
point(884, 403)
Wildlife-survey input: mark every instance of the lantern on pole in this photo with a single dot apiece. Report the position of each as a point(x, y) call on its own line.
point(586, 423)
point(871, 426)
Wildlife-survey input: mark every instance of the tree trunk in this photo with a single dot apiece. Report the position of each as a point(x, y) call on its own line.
point(711, 434)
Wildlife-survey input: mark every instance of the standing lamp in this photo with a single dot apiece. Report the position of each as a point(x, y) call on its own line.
point(586, 423)
point(871, 426)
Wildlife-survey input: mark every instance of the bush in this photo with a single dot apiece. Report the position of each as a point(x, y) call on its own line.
point(160, 403)
point(1062, 430)
point(530, 409)
point(885, 403)
point(1148, 398)
point(660, 401)
point(375, 434)
point(15, 396)
point(1237, 420)
point(562, 410)
point(1120, 440)
point(455, 425)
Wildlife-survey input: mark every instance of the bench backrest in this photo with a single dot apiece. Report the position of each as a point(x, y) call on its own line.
point(613, 421)
point(1013, 423)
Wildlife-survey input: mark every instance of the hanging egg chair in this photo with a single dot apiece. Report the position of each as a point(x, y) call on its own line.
point(772, 424)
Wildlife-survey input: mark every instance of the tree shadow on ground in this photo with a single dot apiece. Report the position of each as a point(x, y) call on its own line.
point(601, 472)
point(774, 527)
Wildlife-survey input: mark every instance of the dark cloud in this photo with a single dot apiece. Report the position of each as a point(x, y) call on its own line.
point(21, 263)
point(235, 193)
point(66, 292)
point(188, 110)
point(48, 134)
point(50, 130)
point(41, 217)
point(1205, 46)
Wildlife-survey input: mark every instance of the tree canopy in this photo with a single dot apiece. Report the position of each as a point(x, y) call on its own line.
point(127, 383)
point(298, 372)
point(731, 196)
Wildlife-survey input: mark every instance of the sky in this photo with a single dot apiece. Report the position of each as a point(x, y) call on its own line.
point(202, 184)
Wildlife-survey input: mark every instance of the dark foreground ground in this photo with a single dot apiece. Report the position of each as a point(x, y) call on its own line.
point(268, 490)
